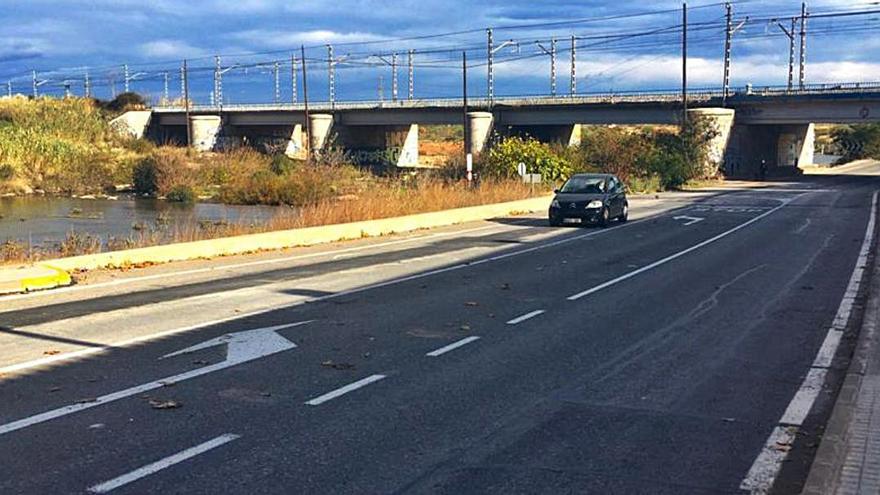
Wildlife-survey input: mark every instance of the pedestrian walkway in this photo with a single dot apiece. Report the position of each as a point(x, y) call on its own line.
point(848, 459)
point(861, 466)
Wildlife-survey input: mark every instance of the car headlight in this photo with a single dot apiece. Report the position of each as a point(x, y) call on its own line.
point(596, 203)
point(554, 204)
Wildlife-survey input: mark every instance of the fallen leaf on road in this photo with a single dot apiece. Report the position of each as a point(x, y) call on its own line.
point(51, 353)
point(337, 366)
point(165, 404)
point(466, 328)
point(782, 447)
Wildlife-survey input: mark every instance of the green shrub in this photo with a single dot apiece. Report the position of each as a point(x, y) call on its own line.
point(161, 171)
point(858, 141)
point(506, 155)
point(181, 194)
point(620, 151)
point(282, 164)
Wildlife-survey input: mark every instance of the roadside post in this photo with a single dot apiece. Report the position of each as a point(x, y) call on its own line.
point(469, 161)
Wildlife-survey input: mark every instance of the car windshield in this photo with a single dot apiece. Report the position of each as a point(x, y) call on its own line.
point(584, 185)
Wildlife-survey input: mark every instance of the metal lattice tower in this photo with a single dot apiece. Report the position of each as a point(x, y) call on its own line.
point(9, 89)
point(125, 76)
point(34, 78)
point(293, 91)
point(331, 76)
point(411, 74)
point(182, 81)
point(553, 66)
point(166, 94)
point(87, 86)
point(490, 75)
point(572, 89)
point(277, 70)
point(791, 53)
point(728, 34)
point(394, 77)
point(218, 82)
point(803, 77)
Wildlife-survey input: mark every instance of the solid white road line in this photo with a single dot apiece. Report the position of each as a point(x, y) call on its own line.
point(672, 257)
point(162, 464)
point(803, 399)
point(525, 317)
point(766, 467)
point(344, 390)
point(452, 346)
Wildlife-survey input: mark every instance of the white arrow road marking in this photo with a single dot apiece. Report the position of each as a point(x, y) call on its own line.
point(691, 220)
point(162, 464)
point(241, 347)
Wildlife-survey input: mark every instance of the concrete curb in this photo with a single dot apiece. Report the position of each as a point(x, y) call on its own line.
point(22, 279)
point(30, 278)
point(827, 465)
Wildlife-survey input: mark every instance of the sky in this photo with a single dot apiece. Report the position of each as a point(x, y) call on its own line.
point(621, 45)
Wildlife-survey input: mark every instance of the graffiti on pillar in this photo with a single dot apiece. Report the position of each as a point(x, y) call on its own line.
point(386, 157)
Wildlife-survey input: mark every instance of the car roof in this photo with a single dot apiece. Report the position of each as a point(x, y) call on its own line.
point(593, 176)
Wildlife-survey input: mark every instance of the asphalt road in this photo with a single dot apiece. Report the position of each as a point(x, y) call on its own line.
point(655, 356)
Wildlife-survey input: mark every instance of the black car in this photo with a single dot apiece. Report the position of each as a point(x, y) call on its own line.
point(589, 198)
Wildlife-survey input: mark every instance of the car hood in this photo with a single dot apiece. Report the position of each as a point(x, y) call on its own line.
point(578, 198)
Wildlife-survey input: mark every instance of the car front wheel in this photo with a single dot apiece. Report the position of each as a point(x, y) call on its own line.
point(604, 217)
point(624, 215)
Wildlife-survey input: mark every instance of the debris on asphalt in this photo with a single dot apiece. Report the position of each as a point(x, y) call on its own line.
point(465, 328)
point(51, 352)
point(201, 362)
point(87, 400)
point(337, 366)
point(54, 389)
point(164, 404)
point(505, 286)
point(472, 303)
point(97, 426)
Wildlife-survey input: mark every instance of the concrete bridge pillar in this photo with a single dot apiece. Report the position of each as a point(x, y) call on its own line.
point(479, 129)
point(722, 120)
point(321, 125)
point(795, 146)
point(204, 130)
point(295, 146)
point(407, 141)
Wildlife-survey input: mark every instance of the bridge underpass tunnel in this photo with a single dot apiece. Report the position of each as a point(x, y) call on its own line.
point(380, 145)
point(566, 134)
point(783, 149)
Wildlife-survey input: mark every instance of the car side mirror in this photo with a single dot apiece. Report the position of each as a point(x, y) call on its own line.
point(556, 191)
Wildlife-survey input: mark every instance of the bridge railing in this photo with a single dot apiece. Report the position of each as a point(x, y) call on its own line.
point(695, 95)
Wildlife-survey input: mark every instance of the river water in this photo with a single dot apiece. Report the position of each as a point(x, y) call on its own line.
point(46, 221)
